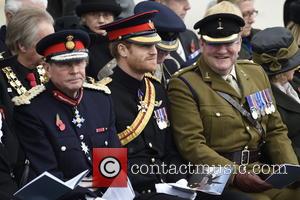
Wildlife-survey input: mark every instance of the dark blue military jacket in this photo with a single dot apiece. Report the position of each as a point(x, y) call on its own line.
point(52, 142)
point(11, 159)
point(153, 145)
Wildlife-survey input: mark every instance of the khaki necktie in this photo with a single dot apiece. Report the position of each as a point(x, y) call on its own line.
point(231, 80)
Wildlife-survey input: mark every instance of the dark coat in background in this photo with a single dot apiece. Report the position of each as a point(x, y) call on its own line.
point(289, 110)
point(11, 159)
point(59, 8)
point(4, 52)
point(99, 54)
point(246, 48)
point(190, 44)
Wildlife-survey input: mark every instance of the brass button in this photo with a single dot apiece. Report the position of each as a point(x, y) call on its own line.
point(218, 114)
point(81, 137)
point(152, 160)
point(106, 143)
point(150, 144)
point(248, 128)
point(63, 148)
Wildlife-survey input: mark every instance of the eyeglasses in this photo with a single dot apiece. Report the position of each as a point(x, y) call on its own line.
point(105, 15)
point(249, 14)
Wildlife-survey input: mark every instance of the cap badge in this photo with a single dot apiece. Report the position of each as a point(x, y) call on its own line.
point(70, 44)
point(220, 25)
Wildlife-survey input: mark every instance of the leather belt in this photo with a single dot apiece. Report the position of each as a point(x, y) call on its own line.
point(243, 157)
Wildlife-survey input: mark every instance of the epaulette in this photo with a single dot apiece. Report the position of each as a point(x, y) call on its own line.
point(149, 75)
point(184, 70)
point(97, 86)
point(89, 79)
point(28, 95)
point(246, 61)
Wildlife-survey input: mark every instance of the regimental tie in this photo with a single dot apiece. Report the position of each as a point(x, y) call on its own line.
point(31, 79)
point(231, 80)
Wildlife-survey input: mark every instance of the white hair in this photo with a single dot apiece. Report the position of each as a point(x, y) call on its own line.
point(14, 6)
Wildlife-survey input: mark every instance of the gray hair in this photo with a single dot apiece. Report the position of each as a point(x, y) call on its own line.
point(14, 6)
point(22, 29)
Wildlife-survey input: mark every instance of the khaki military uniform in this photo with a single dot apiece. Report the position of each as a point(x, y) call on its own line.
point(206, 129)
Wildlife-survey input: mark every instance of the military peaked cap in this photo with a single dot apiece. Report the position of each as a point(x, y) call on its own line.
point(137, 29)
point(222, 23)
point(64, 46)
point(167, 24)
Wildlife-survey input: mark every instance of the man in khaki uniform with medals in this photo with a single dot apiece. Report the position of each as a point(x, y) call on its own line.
point(222, 110)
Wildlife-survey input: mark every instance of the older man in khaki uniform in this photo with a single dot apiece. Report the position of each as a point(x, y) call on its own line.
point(222, 110)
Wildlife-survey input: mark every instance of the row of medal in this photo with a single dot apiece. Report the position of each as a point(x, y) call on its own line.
point(261, 103)
point(161, 117)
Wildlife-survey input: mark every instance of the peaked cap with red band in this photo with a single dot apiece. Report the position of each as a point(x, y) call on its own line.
point(137, 29)
point(63, 46)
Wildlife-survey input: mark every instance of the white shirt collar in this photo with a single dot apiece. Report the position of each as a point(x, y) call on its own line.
point(232, 73)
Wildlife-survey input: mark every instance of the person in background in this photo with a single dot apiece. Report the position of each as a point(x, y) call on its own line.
point(168, 25)
point(11, 7)
point(217, 109)
point(278, 43)
point(188, 50)
point(61, 8)
point(23, 71)
point(292, 22)
point(249, 14)
point(60, 139)
point(94, 14)
point(127, 7)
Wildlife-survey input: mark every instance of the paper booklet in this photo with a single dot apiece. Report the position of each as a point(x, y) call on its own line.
point(48, 187)
point(285, 175)
point(212, 181)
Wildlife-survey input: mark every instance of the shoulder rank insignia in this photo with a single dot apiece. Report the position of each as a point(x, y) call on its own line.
point(149, 75)
point(246, 61)
point(97, 86)
point(107, 70)
point(28, 95)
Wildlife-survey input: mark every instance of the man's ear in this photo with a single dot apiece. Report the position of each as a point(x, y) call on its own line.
point(122, 50)
point(47, 69)
point(201, 42)
point(22, 48)
point(8, 16)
